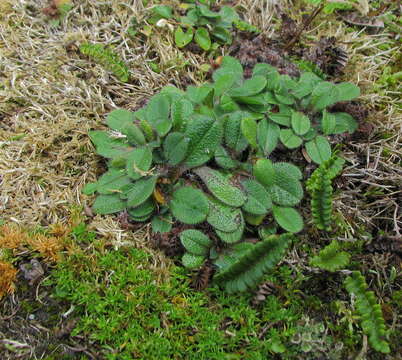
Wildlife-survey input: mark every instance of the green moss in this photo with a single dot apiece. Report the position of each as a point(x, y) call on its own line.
point(120, 306)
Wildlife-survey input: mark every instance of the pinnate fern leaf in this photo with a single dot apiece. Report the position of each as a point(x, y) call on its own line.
point(107, 58)
point(331, 258)
point(320, 187)
point(248, 270)
point(372, 321)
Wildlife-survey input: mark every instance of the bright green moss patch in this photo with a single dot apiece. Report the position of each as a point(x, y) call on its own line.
point(121, 307)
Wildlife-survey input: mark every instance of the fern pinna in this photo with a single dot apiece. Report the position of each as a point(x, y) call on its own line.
point(320, 188)
point(107, 58)
point(331, 258)
point(372, 321)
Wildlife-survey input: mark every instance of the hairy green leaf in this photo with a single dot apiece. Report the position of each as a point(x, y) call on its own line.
point(140, 191)
point(189, 205)
point(258, 199)
point(300, 123)
point(204, 136)
point(175, 147)
point(139, 162)
point(249, 130)
point(290, 139)
point(195, 242)
point(223, 217)
point(288, 218)
point(108, 204)
point(267, 136)
point(318, 149)
point(202, 38)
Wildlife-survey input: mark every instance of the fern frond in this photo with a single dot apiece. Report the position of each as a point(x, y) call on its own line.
point(372, 321)
point(107, 58)
point(331, 258)
point(247, 271)
point(308, 66)
point(320, 188)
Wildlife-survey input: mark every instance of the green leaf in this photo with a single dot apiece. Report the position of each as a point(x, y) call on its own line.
point(323, 95)
point(108, 146)
point(182, 38)
point(328, 123)
point(249, 130)
point(232, 237)
point(162, 223)
point(197, 95)
point(229, 65)
point(220, 186)
point(175, 147)
point(290, 139)
point(205, 135)
point(288, 218)
point(108, 204)
point(292, 170)
point(134, 134)
point(223, 84)
point(191, 261)
point(147, 130)
point(234, 137)
point(144, 210)
point(189, 205)
point(118, 119)
point(347, 91)
point(263, 171)
point(139, 162)
point(263, 69)
point(204, 11)
point(287, 189)
point(267, 136)
point(258, 199)
point(222, 35)
point(250, 87)
point(140, 191)
point(283, 117)
point(300, 123)
point(202, 38)
point(180, 112)
point(90, 188)
point(306, 84)
point(344, 123)
point(112, 181)
point(318, 149)
point(223, 159)
point(163, 11)
point(223, 217)
point(158, 111)
point(195, 242)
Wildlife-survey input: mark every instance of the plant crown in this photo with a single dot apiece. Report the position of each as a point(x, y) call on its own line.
point(199, 160)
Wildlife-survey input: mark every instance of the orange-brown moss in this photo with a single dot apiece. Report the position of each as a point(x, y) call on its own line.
point(8, 274)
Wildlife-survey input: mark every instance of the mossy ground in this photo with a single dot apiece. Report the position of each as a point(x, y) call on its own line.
point(109, 295)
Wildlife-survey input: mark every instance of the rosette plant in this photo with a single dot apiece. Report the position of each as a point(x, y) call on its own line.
point(201, 158)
